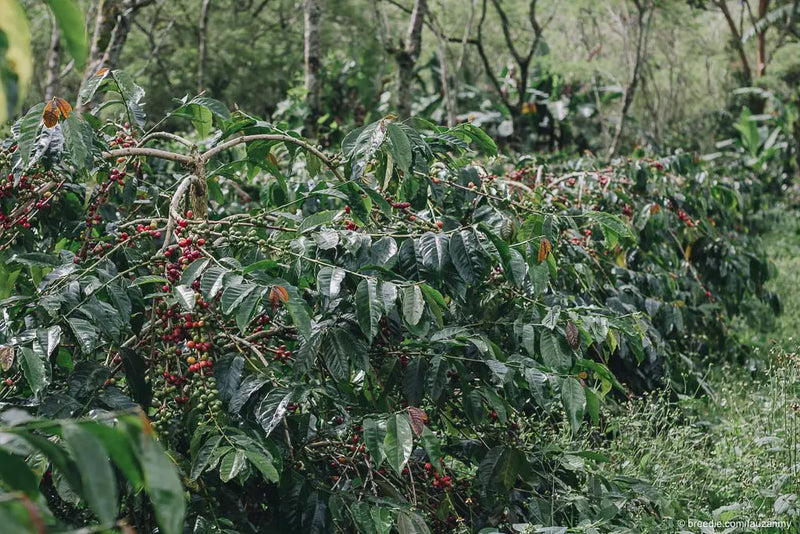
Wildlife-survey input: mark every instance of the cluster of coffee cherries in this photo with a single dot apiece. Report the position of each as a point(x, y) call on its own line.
point(523, 174)
point(496, 275)
point(184, 338)
point(262, 321)
point(123, 138)
point(403, 207)
point(282, 354)
point(627, 210)
point(685, 219)
point(23, 191)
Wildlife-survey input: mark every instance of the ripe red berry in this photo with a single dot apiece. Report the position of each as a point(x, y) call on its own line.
point(189, 214)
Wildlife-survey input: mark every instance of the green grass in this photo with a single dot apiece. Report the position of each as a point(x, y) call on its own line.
point(733, 455)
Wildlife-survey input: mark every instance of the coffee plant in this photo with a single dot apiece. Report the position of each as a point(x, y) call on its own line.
point(235, 331)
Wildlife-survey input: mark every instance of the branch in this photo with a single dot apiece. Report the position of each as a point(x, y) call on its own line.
point(153, 152)
point(487, 66)
point(331, 164)
point(166, 135)
point(173, 214)
point(737, 39)
point(505, 25)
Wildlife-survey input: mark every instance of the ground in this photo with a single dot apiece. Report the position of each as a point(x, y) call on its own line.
point(732, 455)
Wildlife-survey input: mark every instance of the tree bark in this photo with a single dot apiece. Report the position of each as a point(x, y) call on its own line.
point(643, 24)
point(736, 39)
point(113, 22)
point(313, 64)
point(202, 46)
point(761, 67)
point(407, 56)
point(53, 62)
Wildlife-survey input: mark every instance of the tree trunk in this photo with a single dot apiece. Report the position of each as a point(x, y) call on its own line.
point(202, 51)
point(111, 28)
point(761, 67)
point(313, 63)
point(53, 63)
point(736, 39)
point(643, 24)
point(407, 56)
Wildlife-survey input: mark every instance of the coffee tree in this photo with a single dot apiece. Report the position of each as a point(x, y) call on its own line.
point(410, 335)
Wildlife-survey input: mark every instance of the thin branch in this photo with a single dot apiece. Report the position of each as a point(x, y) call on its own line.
point(174, 205)
point(153, 152)
point(330, 163)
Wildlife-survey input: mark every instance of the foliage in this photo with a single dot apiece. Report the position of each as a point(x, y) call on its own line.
point(399, 336)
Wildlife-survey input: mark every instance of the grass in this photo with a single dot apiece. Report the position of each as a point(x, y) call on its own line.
point(731, 456)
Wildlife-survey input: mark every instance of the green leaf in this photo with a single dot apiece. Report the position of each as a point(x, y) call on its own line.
point(97, 477)
point(413, 304)
point(435, 252)
point(383, 251)
point(414, 380)
point(317, 219)
point(29, 127)
point(163, 486)
point(212, 281)
point(499, 469)
point(374, 435)
point(79, 137)
point(70, 21)
point(400, 146)
point(272, 409)
point(216, 107)
point(574, 400)
point(185, 296)
point(244, 314)
point(149, 279)
point(411, 523)
point(300, 318)
point(368, 308)
point(263, 464)
point(231, 465)
point(466, 256)
point(234, 295)
point(550, 320)
point(398, 442)
point(193, 270)
point(16, 474)
point(35, 368)
point(117, 444)
point(203, 458)
point(553, 353)
point(430, 442)
point(329, 281)
point(592, 405)
point(437, 377)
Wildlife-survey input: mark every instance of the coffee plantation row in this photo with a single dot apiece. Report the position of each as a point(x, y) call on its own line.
point(235, 331)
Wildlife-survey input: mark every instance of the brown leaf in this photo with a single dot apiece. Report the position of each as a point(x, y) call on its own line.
point(146, 426)
point(101, 72)
point(654, 208)
point(544, 249)
point(572, 335)
point(51, 114)
point(418, 418)
point(6, 358)
point(277, 295)
point(63, 107)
